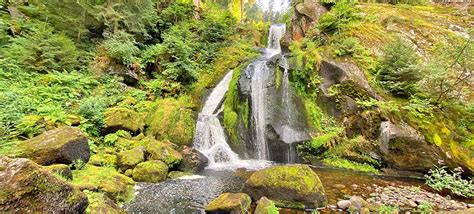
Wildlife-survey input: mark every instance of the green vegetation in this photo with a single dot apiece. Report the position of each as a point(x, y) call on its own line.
point(387, 209)
point(425, 207)
point(440, 178)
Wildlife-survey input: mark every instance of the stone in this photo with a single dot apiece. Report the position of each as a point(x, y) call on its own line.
point(103, 159)
point(193, 160)
point(294, 182)
point(61, 170)
point(265, 206)
point(62, 145)
point(153, 171)
point(100, 203)
point(116, 186)
point(129, 73)
point(357, 202)
point(27, 187)
point(163, 151)
point(230, 202)
point(364, 210)
point(339, 186)
point(130, 158)
point(118, 118)
point(178, 174)
point(344, 204)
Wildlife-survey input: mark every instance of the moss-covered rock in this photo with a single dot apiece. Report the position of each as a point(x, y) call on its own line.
point(116, 186)
point(27, 187)
point(118, 118)
point(62, 145)
point(163, 151)
point(265, 206)
point(230, 202)
point(289, 183)
point(100, 203)
point(61, 170)
point(103, 159)
point(153, 171)
point(130, 158)
point(178, 174)
point(172, 119)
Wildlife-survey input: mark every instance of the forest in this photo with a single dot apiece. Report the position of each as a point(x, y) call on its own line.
point(236, 106)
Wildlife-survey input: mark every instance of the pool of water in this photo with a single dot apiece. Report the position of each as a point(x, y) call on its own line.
point(189, 195)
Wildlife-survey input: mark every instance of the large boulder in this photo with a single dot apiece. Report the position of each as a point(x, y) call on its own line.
point(116, 186)
point(130, 158)
point(404, 148)
point(193, 160)
point(233, 203)
point(163, 151)
point(27, 187)
point(265, 206)
point(62, 145)
point(296, 183)
point(153, 171)
point(60, 170)
point(118, 118)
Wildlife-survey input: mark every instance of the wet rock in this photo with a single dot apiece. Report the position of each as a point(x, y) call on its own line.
point(163, 151)
point(27, 187)
point(193, 160)
point(153, 171)
point(344, 204)
point(118, 118)
point(287, 183)
point(130, 158)
point(230, 202)
point(265, 206)
point(61, 170)
point(178, 174)
point(63, 145)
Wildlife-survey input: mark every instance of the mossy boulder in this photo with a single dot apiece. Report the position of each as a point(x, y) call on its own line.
point(193, 160)
point(153, 171)
point(130, 158)
point(118, 118)
point(100, 203)
point(116, 186)
point(103, 159)
point(265, 206)
point(172, 119)
point(163, 151)
point(230, 203)
point(296, 182)
point(27, 187)
point(60, 170)
point(62, 145)
point(178, 174)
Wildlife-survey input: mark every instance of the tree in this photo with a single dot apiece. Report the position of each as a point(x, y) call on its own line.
point(398, 70)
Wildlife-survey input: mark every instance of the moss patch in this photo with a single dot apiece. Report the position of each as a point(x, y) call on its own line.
point(232, 202)
point(119, 118)
point(150, 171)
point(346, 164)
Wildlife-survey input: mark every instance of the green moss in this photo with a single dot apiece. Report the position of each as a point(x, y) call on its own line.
point(103, 159)
point(172, 119)
point(130, 158)
point(151, 171)
point(231, 202)
point(119, 118)
point(163, 151)
point(104, 179)
point(346, 164)
point(266, 206)
point(231, 104)
point(178, 174)
point(437, 140)
point(100, 203)
point(290, 204)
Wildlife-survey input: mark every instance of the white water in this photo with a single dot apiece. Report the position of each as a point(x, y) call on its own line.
point(258, 92)
point(278, 6)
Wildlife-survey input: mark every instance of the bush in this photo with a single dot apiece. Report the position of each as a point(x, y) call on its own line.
point(92, 110)
point(122, 48)
point(348, 47)
point(398, 70)
point(339, 18)
point(439, 178)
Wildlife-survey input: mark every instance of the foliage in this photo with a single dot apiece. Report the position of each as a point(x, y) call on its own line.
point(346, 164)
point(92, 110)
point(341, 16)
point(439, 178)
point(387, 209)
point(348, 47)
point(425, 207)
point(121, 46)
point(307, 58)
point(398, 70)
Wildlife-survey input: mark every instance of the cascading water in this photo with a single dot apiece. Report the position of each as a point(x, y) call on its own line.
point(210, 137)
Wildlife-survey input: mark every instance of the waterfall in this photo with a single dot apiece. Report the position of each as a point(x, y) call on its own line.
point(277, 6)
point(210, 137)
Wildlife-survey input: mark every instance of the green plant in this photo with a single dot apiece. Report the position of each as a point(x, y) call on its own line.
point(387, 209)
point(398, 70)
point(341, 16)
point(440, 178)
point(348, 47)
point(425, 207)
point(121, 46)
point(77, 164)
point(92, 110)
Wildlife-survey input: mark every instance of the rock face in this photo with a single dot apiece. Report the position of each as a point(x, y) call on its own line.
point(233, 203)
point(306, 14)
point(62, 145)
point(405, 148)
point(150, 171)
point(130, 158)
point(265, 206)
point(118, 118)
point(193, 160)
point(287, 183)
point(26, 187)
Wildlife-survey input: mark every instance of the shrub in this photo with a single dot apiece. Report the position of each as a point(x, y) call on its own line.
point(425, 207)
point(340, 17)
point(398, 70)
point(348, 47)
point(387, 209)
point(92, 110)
point(439, 178)
point(121, 47)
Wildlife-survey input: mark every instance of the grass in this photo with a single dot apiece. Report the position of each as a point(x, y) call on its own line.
point(346, 164)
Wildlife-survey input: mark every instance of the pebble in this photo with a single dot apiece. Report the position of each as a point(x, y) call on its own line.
point(339, 186)
point(344, 204)
point(470, 206)
point(332, 207)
